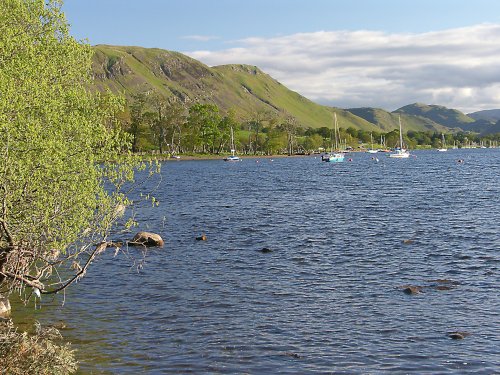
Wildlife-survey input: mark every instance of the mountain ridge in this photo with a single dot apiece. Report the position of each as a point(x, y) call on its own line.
point(247, 90)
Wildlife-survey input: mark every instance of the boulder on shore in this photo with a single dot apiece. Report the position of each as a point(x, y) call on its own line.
point(4, 306)
point(146, 239)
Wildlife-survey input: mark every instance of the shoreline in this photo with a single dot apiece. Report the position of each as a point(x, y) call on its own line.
point(221, 157)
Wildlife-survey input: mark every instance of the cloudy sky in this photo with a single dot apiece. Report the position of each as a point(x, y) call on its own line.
point(351, 53)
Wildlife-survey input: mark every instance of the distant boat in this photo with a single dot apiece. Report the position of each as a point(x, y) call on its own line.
point(334, 156)
point(384, 147)
point(400, 152)
point(371, 150)
point(443, 144)
point(232, 157)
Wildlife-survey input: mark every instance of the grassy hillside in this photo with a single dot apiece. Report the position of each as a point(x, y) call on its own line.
point(243, 88)
point(262, 91)
point(451, 118)
point(247, 90)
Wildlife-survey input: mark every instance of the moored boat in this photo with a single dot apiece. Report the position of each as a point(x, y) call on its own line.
point(232, 157)
point(400, 152)
point(334, 156)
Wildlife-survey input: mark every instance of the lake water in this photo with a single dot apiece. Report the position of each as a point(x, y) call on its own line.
point(344, 239)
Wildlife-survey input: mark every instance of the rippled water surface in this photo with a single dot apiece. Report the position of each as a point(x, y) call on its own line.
point(328, 298)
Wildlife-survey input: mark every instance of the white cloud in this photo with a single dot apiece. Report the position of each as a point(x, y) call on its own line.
point(457, 68)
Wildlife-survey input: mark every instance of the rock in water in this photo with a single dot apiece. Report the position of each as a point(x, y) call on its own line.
point(265, 250)
point(459, 335)
point(147, 239)
point(412, 289)
point(201, 238)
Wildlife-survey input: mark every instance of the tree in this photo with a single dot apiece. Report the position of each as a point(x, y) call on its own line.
point(225, 125)
point(202, 123)
point(174, 121)
point(159, 123)
point(140, 120)
point(289, 126)
point(60, 185)
point(257, 123)
point(313, 142)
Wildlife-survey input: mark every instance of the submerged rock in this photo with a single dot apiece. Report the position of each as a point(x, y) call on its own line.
point(412, 289)
point(265, 250)
point(293, 355)
point(444, 287)
point(146, 239)
point(443, 284)
point(458, 335)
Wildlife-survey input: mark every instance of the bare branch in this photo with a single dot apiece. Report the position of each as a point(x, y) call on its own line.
point(98, 249)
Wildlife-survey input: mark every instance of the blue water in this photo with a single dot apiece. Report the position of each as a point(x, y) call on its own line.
point(329, 297)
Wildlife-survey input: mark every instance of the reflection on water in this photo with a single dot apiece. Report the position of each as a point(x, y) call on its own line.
point(328, 296)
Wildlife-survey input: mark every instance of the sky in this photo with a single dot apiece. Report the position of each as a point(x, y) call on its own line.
point(347, 54)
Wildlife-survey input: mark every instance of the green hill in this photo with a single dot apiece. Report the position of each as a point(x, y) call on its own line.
point(387, 121)
point(243, 88)
point(492, 115)
point(450, 118)
point(247, 90)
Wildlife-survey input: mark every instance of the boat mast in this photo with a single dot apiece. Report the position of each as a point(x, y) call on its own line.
point(400, 134)
point(232, 142)
point(335, 130)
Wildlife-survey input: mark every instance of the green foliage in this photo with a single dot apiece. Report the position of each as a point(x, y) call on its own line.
point(38, 353)
point(203, 129)
point(59, 144)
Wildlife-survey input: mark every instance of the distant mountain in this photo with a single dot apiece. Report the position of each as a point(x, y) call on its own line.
point(485, 127)
point(494, 128)
point(243, 88)
point(450, 118)
point(247, 90)
point(492, 115)
point(387, 121)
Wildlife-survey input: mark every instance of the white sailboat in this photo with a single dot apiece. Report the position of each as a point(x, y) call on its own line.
point(443, 144)
point(371, 150)
point(334, 156)
point(400, 152)
point(232, 157)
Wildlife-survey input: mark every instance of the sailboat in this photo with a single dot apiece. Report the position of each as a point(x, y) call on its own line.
point(400, 152)
point(382, 143)
point(232, 157)
point(334, 156)
point(371, 150)
point(443, 144)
